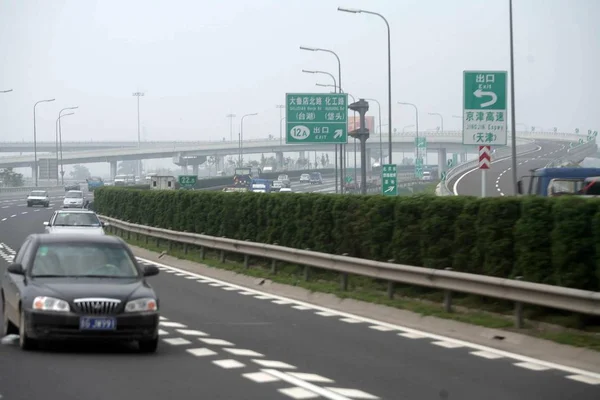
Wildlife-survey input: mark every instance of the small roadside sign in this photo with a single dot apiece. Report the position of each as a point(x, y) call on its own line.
point(389, 180)
point(187, 181)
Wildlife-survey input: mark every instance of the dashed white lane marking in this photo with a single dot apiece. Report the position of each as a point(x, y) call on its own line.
point(203, 280)
point(162, 318)
point(486, 354)
point(229, 364)
point(192, 332)
point(404, 332)
point(172, 324)
point(352, 393)
point(201, 352)
point(228, 288)
point(215, 284)
point(273, 364)
point(328, 394)
point(585, 379)
point(162, 333)
point(190, 277)
point(282, 302)
point(4, 219)
point(170, 272)
point(24, 212)
point(532, 366)
point(179, 274)
point(351, 320)
point(244, 352)
point(260, 377)
point(177, 341)
point(217, 342)
point(14, 215)
point(310, 377)
point(302, 307)
point(448, 345)
point(299, 393)
point(261, 297)
point(381, 328)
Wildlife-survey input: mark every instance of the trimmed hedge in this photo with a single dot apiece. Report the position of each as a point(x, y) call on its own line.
point(546, 240)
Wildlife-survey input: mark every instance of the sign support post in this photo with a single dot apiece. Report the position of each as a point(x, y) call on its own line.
point(484, 165)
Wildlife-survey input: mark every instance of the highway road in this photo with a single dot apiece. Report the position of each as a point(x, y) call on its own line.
point(499, 176)
point(224, 341)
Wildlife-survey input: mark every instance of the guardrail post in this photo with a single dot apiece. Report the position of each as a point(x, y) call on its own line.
point(519, 311)
point(448, 297)
point(137, 236)
point(344, 277)
point(274, 262)
point(147, 238)
point(185, 248)
point(391, 286)
point(128, 235)
point(246, 258)
point(157, 242)
point(306, 269)
point(222, 258)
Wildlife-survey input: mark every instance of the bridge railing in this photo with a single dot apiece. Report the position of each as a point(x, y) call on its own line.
point(520, 292)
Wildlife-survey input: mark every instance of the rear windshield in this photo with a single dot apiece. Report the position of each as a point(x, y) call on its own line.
point(76, 219)
point(38, 193)
point(74, 195)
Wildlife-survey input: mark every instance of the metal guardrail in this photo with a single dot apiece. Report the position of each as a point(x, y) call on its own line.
point(575, 154)
point(574, 300)
point(28, 188)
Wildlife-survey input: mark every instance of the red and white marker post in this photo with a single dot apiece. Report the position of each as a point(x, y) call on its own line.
point(485, 159)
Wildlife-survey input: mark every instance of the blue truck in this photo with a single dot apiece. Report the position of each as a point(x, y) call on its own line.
point(551, 182)
point(94, 183)
point(261, 185)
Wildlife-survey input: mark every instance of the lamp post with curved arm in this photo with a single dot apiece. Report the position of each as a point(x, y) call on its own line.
point(57, 141)
point(35, 163)
point(62, 172)
point(242, 136)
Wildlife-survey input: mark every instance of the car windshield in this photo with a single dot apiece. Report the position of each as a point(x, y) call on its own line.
point(83, 260)
point(305, 175)
point(38, 193)
point(74, 195)
point(76, 219)
point(282, 177)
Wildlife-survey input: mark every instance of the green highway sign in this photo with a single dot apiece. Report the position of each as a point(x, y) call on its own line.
point(484, 108)
point(187, 181)
point(316, 118)
point(444, 176)
point(450, 163)
point(389, 180)
point(348, 179)
point(454, 159)
point(419, 167)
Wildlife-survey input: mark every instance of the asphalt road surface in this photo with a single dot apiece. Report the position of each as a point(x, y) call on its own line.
point(499, 176)
point(223, 341)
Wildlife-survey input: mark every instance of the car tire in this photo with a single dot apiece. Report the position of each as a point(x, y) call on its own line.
point(25, 342)
point(28, 204)
point(47, 205)
point(148, 346)
point(8, 328)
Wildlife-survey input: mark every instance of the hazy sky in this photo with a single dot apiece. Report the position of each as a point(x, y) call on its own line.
point(200, 60)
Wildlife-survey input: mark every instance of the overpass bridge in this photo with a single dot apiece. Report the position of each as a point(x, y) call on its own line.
point(440, 142)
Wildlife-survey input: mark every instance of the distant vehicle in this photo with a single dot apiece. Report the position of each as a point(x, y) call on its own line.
point(268, 169)
point(305, 178)
point(94, 183)
point(242, 177)
point(285, 190)
point(276, 186)
point(285, 180)
point(81, 222)
point(166, 182)
point(38, 198)
point(74, 199)
point(261, 186)
point(235, 189)
point(426, 176)
point(72, 186)
point(120, 180)
point(316, 178)
point(65, 287)
point(562, 181)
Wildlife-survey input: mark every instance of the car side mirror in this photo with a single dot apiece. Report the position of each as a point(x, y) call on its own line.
point(151, 270)
point(520, 187)
point(104, 224)
point(46, 223)
point(17, 269)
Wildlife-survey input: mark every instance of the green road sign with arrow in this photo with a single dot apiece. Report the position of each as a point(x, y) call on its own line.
point(389, 180)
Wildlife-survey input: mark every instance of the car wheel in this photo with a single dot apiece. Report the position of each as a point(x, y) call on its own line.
point(148, 346)
point(28, 204)
point(25, 342)
point(8, 328)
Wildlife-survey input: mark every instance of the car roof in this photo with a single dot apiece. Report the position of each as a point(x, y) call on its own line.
point(44, 238)
point(75, 191)
point(75, 211)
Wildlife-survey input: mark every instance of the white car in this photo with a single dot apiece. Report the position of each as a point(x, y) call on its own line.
point(285, 190)
point(83, 222)
point(304, 178)
point(74, 199)
point(38, 198)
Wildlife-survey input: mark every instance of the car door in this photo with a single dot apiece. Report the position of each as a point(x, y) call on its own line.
point(12, 284)
point(48, 228)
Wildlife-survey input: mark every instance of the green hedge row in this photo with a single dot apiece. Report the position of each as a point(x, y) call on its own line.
point(228, 180)
point(548, 240)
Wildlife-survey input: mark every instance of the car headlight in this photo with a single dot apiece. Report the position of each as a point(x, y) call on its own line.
point(141, 305)
point(43, 303)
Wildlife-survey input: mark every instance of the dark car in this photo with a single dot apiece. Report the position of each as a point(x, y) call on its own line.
point(68, 286)
point(316, 178)
point(72, 186)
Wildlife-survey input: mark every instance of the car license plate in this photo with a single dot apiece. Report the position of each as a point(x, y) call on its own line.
point(97, 324)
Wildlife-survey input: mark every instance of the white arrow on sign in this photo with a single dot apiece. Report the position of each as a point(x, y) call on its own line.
point(338, 133)
point(480, 93)
point(389, 189)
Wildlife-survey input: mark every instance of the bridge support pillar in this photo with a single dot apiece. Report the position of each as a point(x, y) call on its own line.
point(369, 161)
point(195, 169)
point(442, 161)
point(463, 157)
point(279, 159)
point(113, 170)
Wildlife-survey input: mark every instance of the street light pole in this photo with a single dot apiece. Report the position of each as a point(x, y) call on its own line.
point(416, 127)
point(281, 107)
point(231, 117)
point(341, 146)
point(389, 45)
point(441, 118)
point(35, 164)
point(139, 163)
point(62, 172)
point(512, 102)
point(57, 125)
point(242, 136)
point(380, 133)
